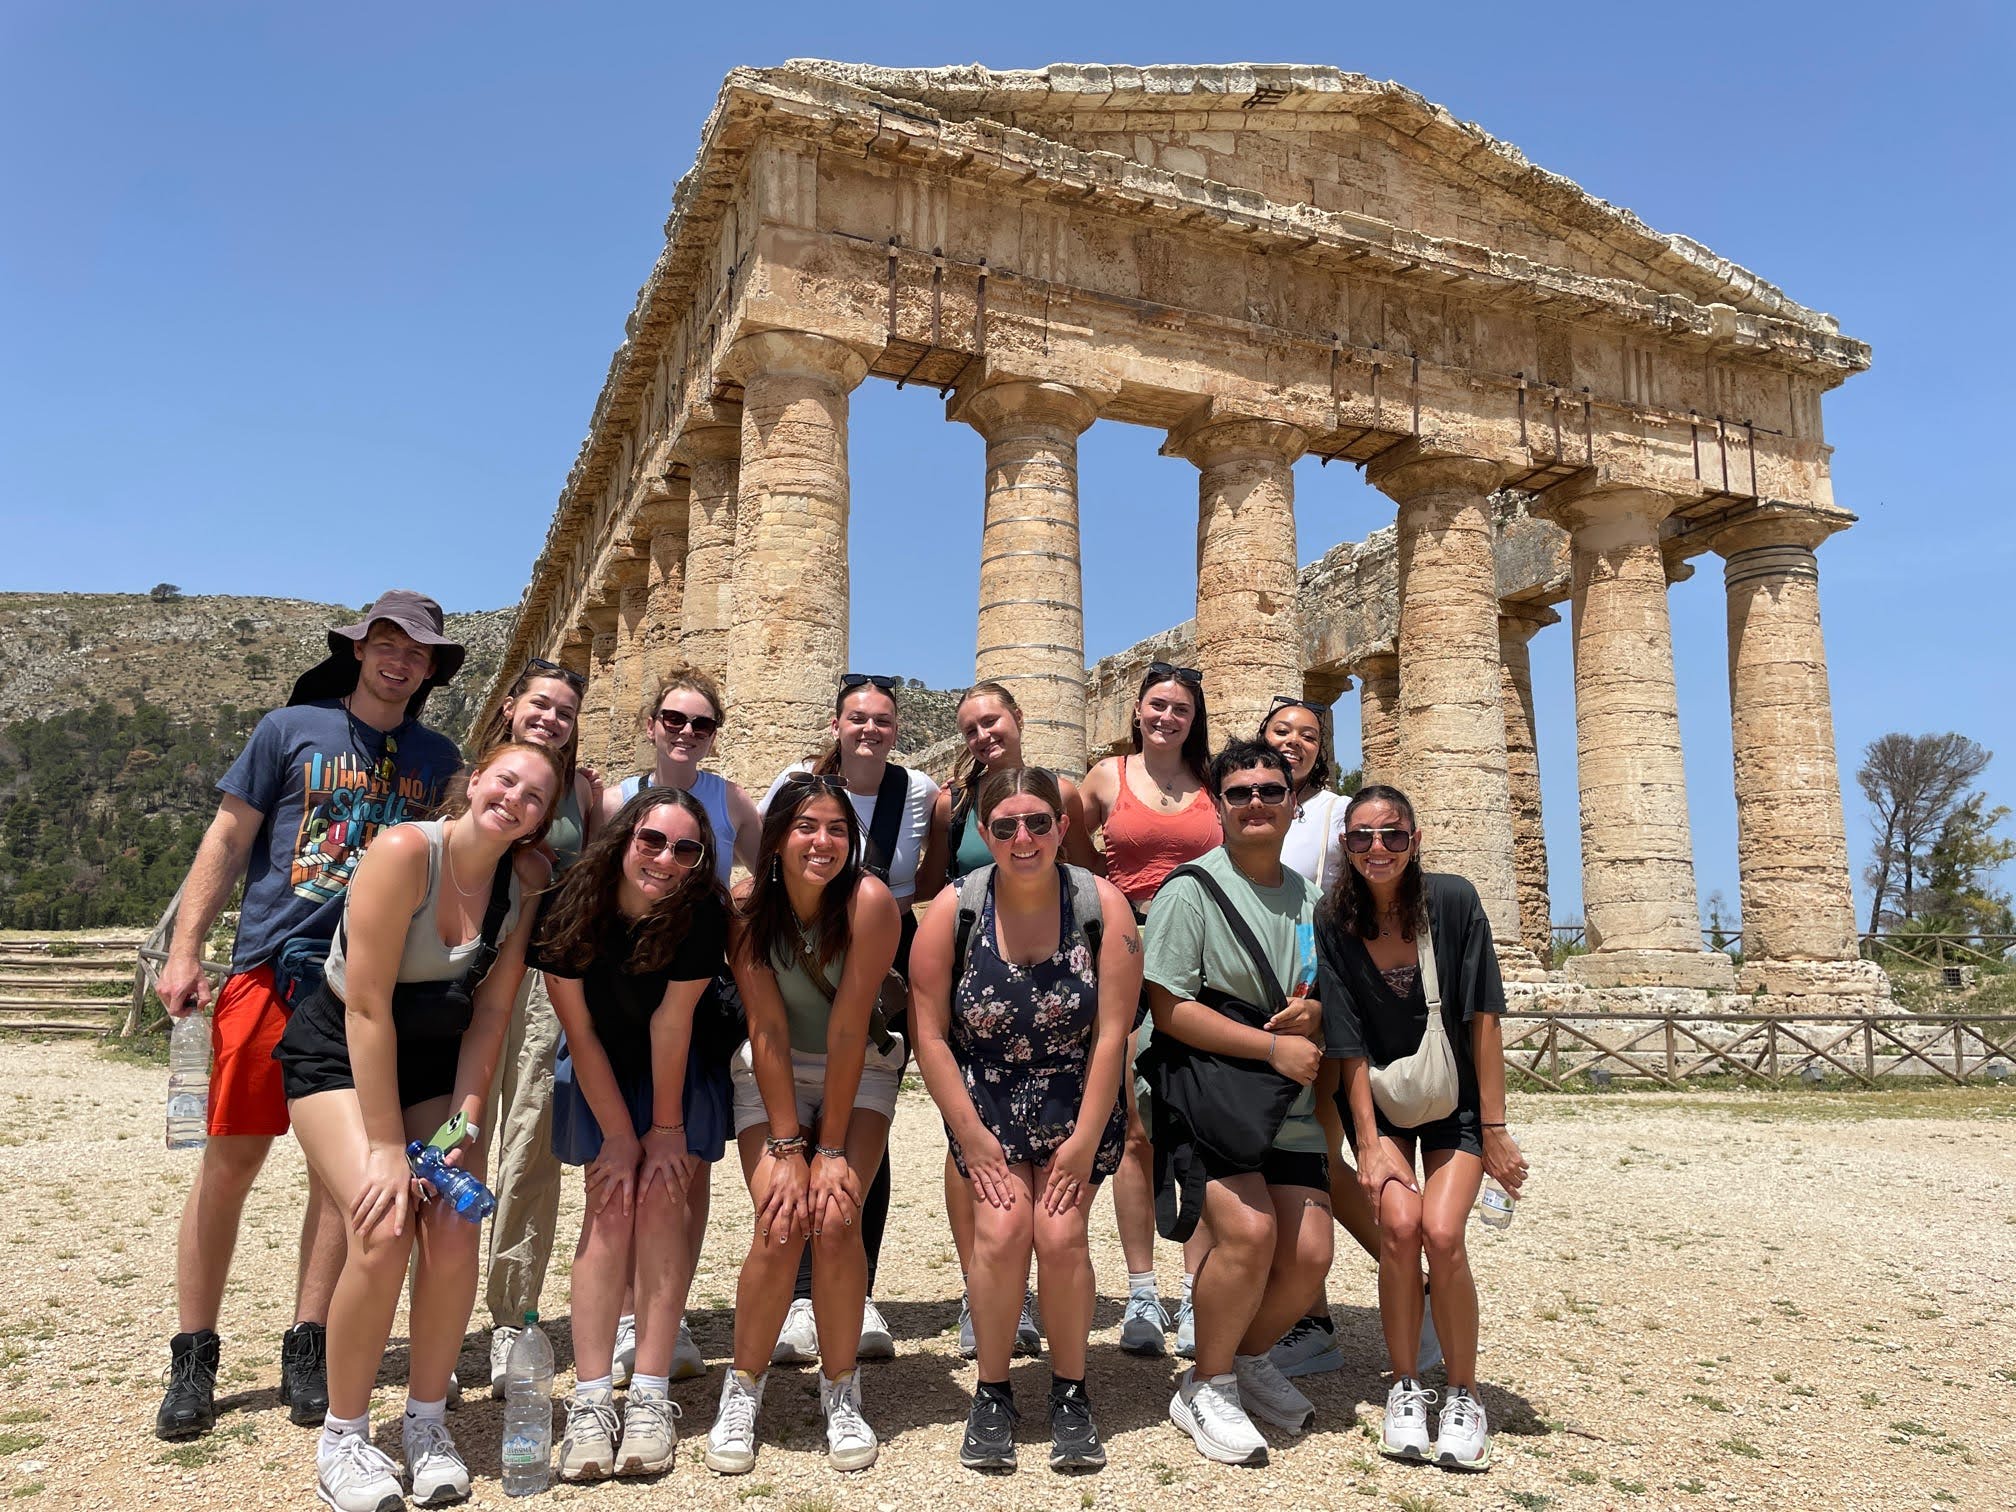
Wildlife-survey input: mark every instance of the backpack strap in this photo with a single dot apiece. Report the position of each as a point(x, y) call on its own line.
point(1086, 911)
point(972, 893)
point(1241, 930)
point(892, 800)
point(493, 923)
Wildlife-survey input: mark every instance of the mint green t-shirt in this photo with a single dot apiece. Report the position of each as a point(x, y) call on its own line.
point(1189, 947)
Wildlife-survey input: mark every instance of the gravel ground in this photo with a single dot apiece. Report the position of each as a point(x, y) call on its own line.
point(1719, 1299)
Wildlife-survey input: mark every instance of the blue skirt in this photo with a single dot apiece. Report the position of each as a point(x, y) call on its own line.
point(577, 1138)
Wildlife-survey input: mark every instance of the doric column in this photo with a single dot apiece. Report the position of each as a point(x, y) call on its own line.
point(630, 577)
point(1517, 624)
point(711, 446)
point(1032, 620)
point(1452, 720)
point(790, 641)
point(1638, 895)
point(1379, 719)
point(661, 526)
point(1249, 638)
point(1791, 845)
point(597, 703)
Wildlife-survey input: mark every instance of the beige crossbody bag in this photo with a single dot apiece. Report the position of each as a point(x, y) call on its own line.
point(1421, 1088)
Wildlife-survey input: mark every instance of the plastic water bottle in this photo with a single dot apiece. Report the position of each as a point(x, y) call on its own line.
point(1494, 1205)
point(528, 1412)
point(189, 1082)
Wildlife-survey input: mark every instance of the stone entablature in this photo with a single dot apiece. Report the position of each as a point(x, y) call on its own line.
point(1264, 262)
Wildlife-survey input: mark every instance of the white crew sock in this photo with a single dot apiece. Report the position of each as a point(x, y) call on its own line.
point(659, 1385)
point(427, 1411)
point(599, 1386)
point(1141, 1281)
point(335, 1430)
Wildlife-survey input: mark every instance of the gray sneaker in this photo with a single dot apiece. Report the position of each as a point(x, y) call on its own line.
point(1266, 1393)
point(588, 1449)
point(1431, 1347)
point(688, 1364)
point(1186, 1328)
point(649, 1439)
point(968, 1347)
point(624, 1360)
point(1309, 1348)
point(1029, 1330)
point(1144, 1327)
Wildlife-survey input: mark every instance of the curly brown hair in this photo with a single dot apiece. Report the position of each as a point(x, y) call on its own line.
point(583, 911)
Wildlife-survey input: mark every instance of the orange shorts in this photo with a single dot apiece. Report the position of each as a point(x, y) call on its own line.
point(246, 1093)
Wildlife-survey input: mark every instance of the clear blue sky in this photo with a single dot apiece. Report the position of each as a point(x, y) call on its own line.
point(311, 300)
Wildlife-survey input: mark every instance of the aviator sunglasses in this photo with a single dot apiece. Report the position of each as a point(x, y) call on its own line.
point(1397, 841)
point(1004, 828)
point(685, 852)
point(675, 720)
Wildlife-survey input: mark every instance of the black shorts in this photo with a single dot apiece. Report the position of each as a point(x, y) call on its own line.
point(1281, 1168)
point(314, 1055)
point(1461, 1131)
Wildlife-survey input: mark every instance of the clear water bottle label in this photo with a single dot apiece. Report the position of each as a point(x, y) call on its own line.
point(521, 1450)
point(189, 1105)
point(1494, 1207)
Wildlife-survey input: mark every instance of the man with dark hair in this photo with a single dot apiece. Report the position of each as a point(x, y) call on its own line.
point(1230, 955)
point(317, 781)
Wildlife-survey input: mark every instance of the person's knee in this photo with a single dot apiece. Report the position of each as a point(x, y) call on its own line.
point(1244, 1231)
point(834, 1242)
point(1002, 1233)
point(381, 1255)
point(231, 1163)
point(1442, 1237)
point(1400, 1224)
point(1060, 1240)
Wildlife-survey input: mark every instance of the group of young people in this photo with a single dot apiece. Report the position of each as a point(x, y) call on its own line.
point(1194, 1006)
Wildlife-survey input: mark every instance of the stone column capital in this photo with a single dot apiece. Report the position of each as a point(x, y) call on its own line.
point(1411, 471)
point(1004, 402)
point(627, 573)
point(1599, 507)
point(597, 620)
point(1778, 525)
point(574, 650)
point(1373, 664)
point(796, 354)
point(1214, 435)
point(1521, 622)
point(661, 513)
point(709, 431)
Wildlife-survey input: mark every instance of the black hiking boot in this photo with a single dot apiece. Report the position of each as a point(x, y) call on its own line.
point(190, 1406)
point(990, 1431)
point(304, 1374)
point(1074, 1438)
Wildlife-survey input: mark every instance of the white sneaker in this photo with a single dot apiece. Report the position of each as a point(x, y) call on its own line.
point(850, 1442)
point(1431, 1347)
point(355, 1476)
point(1029, 1329)
point(1309, 1348)
point(968, 1345)
point(649, 1438)
point(1210, 1413)
point(876, 1342)
point(731, 1442)
point(624, 1361)
point(434, 1466)
point(1186, 1328)
point(1144, 1327)
point(454, 1397)
point(798, 1339)
point(688, 1364)
point(501, 1340)
point(588, 1450)
point(1268, 1394)
point(1405, 1435)
point(1462, 1436)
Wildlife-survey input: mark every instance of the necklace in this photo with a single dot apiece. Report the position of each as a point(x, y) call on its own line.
point(387, 766)
point(448, 862)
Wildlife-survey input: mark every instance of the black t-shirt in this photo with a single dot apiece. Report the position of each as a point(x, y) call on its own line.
point(1363, 1016)
point(620, 1001)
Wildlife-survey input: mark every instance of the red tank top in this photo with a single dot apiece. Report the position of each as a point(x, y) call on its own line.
point(1143, 846)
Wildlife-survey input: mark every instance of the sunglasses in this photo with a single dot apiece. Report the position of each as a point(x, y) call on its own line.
point(685, 852)
point(831, 782)
point(1005, 827)
point(567, 675)
point(1239, 794)
point(673, 721)
point(853, 680)
point(1396, 841)
point(1163, 671)
point(1283, 701)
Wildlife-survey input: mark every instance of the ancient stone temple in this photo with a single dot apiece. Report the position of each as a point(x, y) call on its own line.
point(1261, 262)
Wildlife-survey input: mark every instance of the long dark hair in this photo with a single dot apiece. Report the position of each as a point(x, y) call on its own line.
point(769, 925)
point(498, 730)
point(457, 802)
point(967, 771)
point(1196, 744)
point(1350, 901)
point(827, 762)
point(1319, 769)
point(579, 918)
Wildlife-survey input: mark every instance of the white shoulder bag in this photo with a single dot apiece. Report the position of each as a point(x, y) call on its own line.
point(1421, 1088)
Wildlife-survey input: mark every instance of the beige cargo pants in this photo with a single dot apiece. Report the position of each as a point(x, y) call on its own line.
point(524, 1173)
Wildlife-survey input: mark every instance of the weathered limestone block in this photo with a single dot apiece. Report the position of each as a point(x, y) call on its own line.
point(631, 580)
point(1522, 769)
point(1032, 620)
point(1792, 850)
point(711, 446)
point(598, 702)
point(662, 526)
point(1249, 642)
point(790, 641)
point(1379, 720)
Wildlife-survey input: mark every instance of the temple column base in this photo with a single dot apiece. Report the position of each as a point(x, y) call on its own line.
point(1709, 970)
point(1858, 979)
point(1518, 964)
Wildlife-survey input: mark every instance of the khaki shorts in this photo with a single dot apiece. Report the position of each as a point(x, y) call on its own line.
point(881, 1079)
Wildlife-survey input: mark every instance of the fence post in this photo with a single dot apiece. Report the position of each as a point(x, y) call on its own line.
point(137, 1010)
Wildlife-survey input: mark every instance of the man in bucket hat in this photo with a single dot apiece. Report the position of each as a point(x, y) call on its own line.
point(317, 781)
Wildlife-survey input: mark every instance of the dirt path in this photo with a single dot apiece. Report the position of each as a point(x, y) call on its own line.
point(1709, 1301)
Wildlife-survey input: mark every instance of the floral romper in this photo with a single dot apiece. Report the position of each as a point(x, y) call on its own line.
point(1022, 1036)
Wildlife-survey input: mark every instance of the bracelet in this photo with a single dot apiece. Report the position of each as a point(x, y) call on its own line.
point(1272, 1040)
point(829, 1152)
point(795, 1145)
point(1491, 1126)
point(658, 1128)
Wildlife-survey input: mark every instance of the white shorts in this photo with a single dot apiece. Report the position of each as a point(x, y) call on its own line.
point(881, 1080)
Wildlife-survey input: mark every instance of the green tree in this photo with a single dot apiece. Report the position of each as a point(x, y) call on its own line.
point(1959, 892)
point(1914, 784)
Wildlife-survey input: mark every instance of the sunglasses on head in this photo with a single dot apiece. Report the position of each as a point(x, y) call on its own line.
point(1396, 841)
point(1239, 794)
point(853, 680)
point(567, 675)
point(831, 782)
point(672, 721)
point(686, 852)
point(1283, 701)
point(1038, 825)
point(1163, 671)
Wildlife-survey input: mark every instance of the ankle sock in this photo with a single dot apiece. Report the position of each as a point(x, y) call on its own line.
point(1141, 1281)
point(335, 1430)
point(598, 1386)
point(1002, 1389)
point(652, 1385)
point(427, 1411)
point(1063, 1385)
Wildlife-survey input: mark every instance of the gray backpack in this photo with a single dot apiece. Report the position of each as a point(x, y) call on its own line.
point(1085, 909)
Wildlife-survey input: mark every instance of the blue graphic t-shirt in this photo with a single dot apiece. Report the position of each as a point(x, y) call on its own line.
point(327, 783)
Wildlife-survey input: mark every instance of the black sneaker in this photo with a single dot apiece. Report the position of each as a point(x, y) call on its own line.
point(190, 1406)
point(304, 1374)
point(1074, 1437)
point(990, 1432)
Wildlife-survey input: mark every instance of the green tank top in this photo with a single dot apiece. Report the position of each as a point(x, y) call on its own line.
point(805, 1006)
point(971, 853)
point(565, 833)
